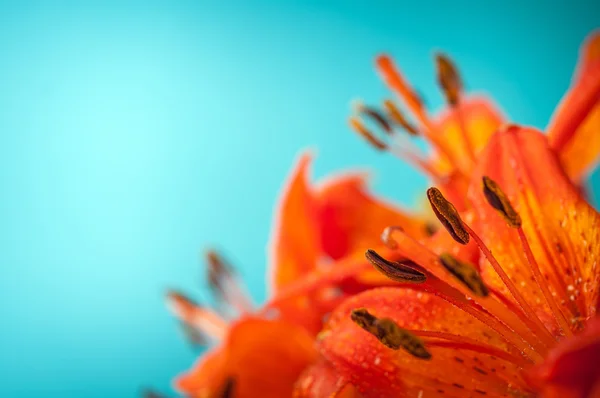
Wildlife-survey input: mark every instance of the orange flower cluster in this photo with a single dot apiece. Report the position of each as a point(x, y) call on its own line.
point(499, 298)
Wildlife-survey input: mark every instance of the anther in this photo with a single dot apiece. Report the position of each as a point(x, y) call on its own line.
point(398, 117)
point(448, 215)
point(448, 79)
point(377, 116)
point(218, 269)
point(195, 336)
point(403, 271)
point(181, 298)
point(227, 389)
point(465, 273)
point(223, 282)
point(151, 394)
point(390, 334)
point(363, 131)
point(499, 201)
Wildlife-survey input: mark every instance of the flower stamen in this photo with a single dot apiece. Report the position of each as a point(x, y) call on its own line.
point(499, 201)
point(358, 126)
point(194, 315)
point(488, 311)
point(223, 282)
point(465, 273)
point(537, 275)
point(443, 339)
point(394, 80)
point(448, 215)
point(227, 389)
point(398, 118)
point(451, 84)
point(395, 270)
point(390, 334)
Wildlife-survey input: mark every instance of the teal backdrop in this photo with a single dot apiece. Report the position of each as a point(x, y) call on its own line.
point(134, 134)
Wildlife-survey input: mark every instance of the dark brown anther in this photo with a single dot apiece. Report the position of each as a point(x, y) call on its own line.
point(194, 336)
point(430, 229)
point(398, 117)
point(448, 79)
point(380, 119)
point(364, 319)
point(499, 201)
point(218, 270)
point(400, 271)
point(390, 334)
point(465, 273)
point(151, 394)
point(180, 297)
point(448, 216)
point(227, 389)
point(364, 132)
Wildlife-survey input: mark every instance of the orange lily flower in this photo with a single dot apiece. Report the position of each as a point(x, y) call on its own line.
point(518, 321)
point(521, 322)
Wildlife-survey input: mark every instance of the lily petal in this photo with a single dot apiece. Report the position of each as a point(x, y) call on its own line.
point(352, 219)
point(573, 131)
point(561, 228)
point(480, 118)
point(378, 371)
point(260, 356)
point(295, 240)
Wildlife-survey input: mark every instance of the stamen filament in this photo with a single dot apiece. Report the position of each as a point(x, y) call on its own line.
point(417, 162)
point(451, 295)
point(521, 175)
point(397, 84)
point(193, 315)
point(462, 126)
point(224, 283)
point(418, 253)
point(532, 320)
point(451, 84)
point(453, 340)
point(537, 275)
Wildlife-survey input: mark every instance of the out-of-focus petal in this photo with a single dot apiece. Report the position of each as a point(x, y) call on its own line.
point(481, 119)
point(295, 242)
point(571, 369)
point(351, 219)
point(574, 129)
point(262, 357)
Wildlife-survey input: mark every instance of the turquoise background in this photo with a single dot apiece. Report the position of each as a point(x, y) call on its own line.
point(133, 134)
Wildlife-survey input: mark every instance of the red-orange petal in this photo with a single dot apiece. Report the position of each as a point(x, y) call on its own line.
point(295, 242)
point(264, 358)
point(378, 371)
point(562, 229)
point(573, 131)
point(571, 369)
point(352, 220)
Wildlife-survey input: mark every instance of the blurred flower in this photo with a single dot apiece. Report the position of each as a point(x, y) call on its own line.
point(502, 302)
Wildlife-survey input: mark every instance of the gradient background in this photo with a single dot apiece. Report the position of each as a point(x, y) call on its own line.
point(135, 133)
